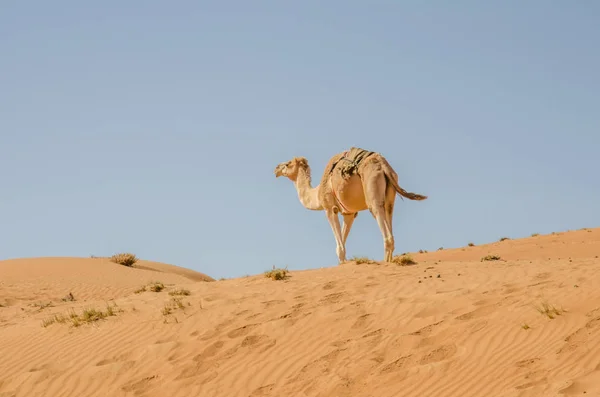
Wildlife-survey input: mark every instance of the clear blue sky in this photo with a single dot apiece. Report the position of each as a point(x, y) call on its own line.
point(154, 127)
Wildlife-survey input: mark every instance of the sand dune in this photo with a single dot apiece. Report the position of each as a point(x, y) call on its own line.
point(451, 325)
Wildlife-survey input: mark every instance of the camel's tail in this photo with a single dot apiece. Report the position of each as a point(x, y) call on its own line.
point(390, 175)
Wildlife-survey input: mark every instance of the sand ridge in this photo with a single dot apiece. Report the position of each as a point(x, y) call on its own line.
point(451, 325)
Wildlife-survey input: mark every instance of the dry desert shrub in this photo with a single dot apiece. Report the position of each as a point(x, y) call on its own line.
point(360, 260)
point(88, 315)
point(172, 305)
point(549, 310)
point(125, 259)
point(490, 258)
point(504, 238)
point(180, 291)
point(277, 274)
point(471, 244)
point(154, 286)
point(404, 260)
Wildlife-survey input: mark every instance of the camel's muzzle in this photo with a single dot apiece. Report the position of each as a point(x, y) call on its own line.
point(278, 171)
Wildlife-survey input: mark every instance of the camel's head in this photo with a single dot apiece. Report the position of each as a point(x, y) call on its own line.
point(290, 168)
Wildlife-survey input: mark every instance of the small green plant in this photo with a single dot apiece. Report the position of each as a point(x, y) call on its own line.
point(490, 258)
point(125, 259)
point(404, 260)
point(277, 274)
point(180, 291)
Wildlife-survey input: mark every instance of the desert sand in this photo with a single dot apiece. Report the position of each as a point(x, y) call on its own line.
point(450, 325)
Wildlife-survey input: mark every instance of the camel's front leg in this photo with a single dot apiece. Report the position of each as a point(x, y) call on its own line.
point(334, 221)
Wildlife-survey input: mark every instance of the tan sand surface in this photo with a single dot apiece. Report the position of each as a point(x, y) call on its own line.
point(451, 325)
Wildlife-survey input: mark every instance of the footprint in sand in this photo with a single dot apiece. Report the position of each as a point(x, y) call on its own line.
point(527, 362)
point(210, 351)
point(426, 331)
point(263, 391)
point(140, 386)
point(441, 353)
point(261, 342)
point(362, 321)
point(482, 311)
point(333, 298)
point(273, 302)
point(397, 364)
point(106, 362)
point(242, 331)
point(330, 285)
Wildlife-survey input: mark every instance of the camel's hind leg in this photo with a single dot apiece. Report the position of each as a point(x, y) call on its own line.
point(347, 225)
point(390, 200)
point(376, 190)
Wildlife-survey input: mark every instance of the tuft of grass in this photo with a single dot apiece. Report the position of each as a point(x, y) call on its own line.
point(404, 260)
point(57, 318)
point(173, 304)
point(490, 258)
point(525, 326)
point(156, 286)
point(535, 234)
point(360, 260)
point(180, 291)
point(166, 310)
point(178, 303)
point(504, 238)
point(125, 259)
point(549, 311)
point(471, 244)
point(88, 315)
point(153, 286)
point(277, 274)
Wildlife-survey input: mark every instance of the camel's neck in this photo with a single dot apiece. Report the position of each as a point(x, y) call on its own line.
point(309, 196)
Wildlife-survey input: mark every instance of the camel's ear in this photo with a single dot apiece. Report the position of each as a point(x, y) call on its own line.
point(301, 161)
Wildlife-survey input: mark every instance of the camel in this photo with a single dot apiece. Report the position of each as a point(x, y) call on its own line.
point(353, 181)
